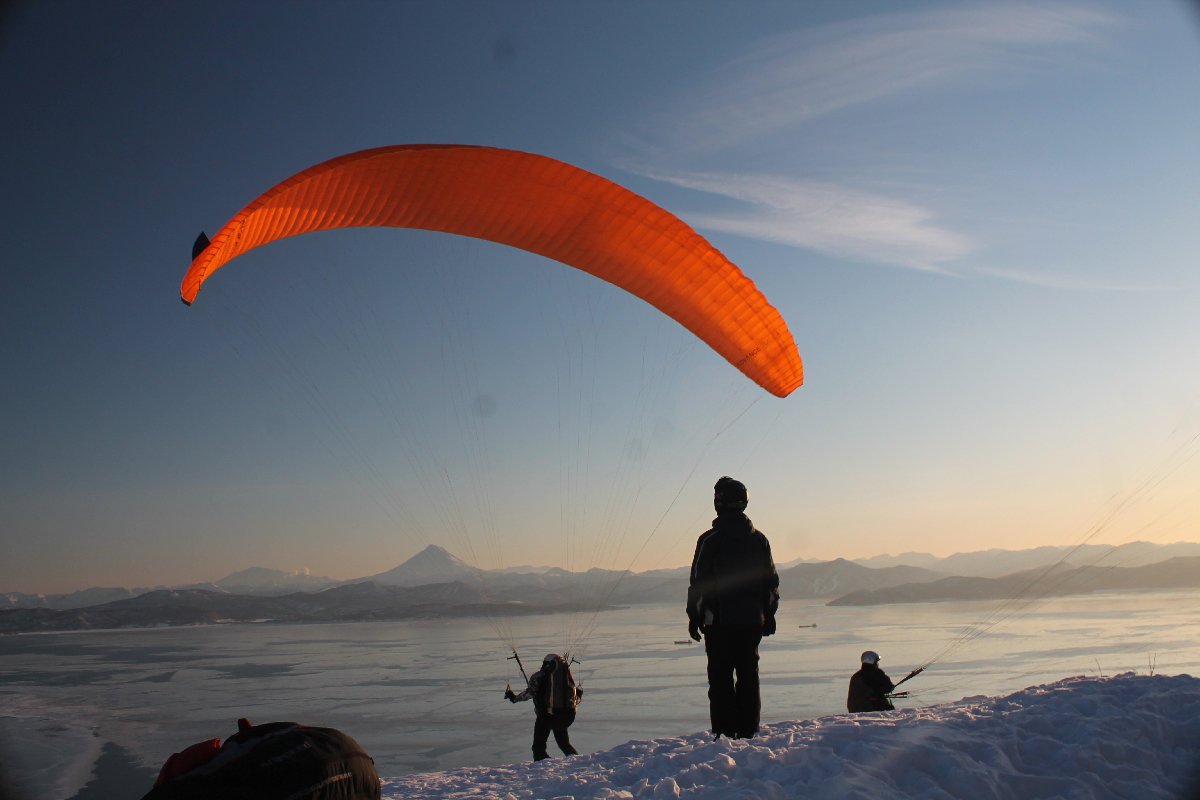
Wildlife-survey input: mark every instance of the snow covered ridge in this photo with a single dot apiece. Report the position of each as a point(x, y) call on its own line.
point(1129, 736)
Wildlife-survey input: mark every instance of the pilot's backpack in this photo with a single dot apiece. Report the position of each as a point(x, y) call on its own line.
point(561, 692)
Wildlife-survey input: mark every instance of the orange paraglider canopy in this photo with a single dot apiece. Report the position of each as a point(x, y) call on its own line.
point(533, 203)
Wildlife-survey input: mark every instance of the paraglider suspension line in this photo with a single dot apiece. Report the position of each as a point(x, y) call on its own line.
point(912, 674)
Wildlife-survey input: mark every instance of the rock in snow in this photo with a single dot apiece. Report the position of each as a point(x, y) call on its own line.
point(1129, 736)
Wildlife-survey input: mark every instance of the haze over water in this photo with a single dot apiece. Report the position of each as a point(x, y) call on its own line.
point(426, 695)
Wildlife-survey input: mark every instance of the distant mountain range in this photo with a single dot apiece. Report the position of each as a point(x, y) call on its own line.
point(432, 565)
point(435, 583)
point(1181, 572)
point(997, 563)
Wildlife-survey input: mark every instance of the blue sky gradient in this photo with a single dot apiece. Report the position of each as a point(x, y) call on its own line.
point(978, 219)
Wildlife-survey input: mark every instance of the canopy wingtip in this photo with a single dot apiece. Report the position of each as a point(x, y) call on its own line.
point(200, 245)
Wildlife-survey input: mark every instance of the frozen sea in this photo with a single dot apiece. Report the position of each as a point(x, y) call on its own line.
point(94, 714)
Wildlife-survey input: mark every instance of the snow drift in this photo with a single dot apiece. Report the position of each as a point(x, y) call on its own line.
point(1128, 736)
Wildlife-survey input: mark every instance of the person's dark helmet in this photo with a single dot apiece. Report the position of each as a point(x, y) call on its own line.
point(729, 495)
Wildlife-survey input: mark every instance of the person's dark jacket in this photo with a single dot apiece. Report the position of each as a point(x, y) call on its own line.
point(733, 580)
point(868, 690)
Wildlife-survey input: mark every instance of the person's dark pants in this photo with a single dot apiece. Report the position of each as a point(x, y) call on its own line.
point(543, 725)
point(733, 705)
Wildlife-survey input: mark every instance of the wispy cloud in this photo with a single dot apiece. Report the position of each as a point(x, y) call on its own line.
point(791, 79)
point(794, 77)
point(827, 217)
point(1067, 282)
point(850, 223)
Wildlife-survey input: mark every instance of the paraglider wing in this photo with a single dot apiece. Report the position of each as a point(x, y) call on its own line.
point(536, 204)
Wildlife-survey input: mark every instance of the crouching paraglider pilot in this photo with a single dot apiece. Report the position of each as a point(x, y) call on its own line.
point(555, 696)
point(869, 687)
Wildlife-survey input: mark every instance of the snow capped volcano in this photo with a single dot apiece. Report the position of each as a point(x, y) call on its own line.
point(434, 564)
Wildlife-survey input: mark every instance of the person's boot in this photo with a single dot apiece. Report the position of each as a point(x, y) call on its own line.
point(539, 755)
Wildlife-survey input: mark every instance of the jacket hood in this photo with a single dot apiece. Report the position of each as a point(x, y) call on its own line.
point(733, 522)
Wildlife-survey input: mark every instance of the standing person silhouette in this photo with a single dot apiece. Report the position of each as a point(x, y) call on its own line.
point(732, 599)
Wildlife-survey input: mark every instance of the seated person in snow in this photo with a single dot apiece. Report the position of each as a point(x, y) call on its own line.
point(555, 696)
point(869, 686)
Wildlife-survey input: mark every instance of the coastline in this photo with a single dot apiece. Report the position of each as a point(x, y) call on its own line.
point(117, 773)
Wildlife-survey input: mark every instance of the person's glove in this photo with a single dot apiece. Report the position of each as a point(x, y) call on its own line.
point(694, 630)
point(768, 626)
point(508, 694)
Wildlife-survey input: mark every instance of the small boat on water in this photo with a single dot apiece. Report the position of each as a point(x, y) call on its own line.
point(683, 641)
point(813, 625)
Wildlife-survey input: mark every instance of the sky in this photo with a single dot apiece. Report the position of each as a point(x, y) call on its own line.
point(976, 218)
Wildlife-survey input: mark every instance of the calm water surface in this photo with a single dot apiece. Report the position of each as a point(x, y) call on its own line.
point(427, 695)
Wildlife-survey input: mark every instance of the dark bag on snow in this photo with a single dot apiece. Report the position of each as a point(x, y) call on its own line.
point(275, 761)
